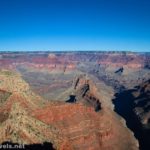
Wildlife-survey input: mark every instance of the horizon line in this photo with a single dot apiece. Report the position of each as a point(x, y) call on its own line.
point(131, 51)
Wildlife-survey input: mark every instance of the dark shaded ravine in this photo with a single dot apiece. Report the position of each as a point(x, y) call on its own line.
point(124, 106)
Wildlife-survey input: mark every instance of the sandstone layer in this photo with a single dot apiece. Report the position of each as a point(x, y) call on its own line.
point(65, 98)
point(27, 118)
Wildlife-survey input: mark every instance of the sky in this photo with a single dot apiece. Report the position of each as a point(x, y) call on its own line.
point(27, 25)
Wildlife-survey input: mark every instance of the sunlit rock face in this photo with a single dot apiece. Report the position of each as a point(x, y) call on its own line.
point(65, 98)
point(102, 64)
point(26, 118)
point(118, 59)
point(129, 60)
point(84, 128)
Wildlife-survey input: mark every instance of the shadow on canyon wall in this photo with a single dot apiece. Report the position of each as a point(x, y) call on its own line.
point(124, 105)
point(72, 99)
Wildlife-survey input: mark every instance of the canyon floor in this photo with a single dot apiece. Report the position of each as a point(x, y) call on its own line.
point(75, 100)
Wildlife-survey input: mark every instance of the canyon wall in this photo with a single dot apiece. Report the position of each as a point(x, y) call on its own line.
point(27, 118)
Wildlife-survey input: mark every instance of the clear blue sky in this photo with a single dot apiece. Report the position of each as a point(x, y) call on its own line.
point(75, 25)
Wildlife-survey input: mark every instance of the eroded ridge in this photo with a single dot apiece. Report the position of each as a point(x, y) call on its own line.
point(27, 118)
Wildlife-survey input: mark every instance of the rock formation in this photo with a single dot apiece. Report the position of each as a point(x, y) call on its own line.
point(142, 103)
point(65, 98)
point(27, 118)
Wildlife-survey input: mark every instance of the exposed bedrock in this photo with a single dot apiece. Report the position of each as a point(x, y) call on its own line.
point(132, 105)
point(87, 120)
point(69, 60)
point(83, 91)
point(28, 119)
point(141, 97)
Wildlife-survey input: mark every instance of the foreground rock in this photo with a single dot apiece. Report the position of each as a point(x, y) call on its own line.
point(27, 118)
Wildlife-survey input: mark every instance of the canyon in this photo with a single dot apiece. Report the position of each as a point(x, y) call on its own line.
point(69, 99)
